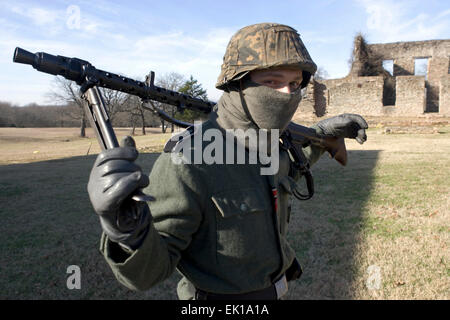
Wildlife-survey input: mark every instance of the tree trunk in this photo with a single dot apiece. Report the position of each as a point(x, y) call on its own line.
point(172, 126)
point(143, 121)
point(133, 124)
point(83, 127)
point(163, 127)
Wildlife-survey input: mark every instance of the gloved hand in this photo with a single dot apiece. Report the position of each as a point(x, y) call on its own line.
point(345, 125)
point(113, 180)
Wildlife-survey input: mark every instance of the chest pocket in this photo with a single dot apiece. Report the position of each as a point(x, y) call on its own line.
point(240, 202)
point(244, 226)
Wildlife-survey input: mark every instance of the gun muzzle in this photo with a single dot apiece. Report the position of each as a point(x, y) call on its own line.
point(23, 56)
point(69, 68)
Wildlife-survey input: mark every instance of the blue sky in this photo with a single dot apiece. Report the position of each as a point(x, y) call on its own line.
point(190, 37)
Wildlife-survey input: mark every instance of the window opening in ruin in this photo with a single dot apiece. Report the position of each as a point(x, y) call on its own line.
point(388, 65)
point(421, 67)
point(389, 91)
point(389, 83)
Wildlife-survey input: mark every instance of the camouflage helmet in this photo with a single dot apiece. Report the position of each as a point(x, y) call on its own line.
point(262, 46)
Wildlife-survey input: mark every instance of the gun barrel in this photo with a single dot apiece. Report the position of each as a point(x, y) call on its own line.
point(69, 68)
point(23, 56)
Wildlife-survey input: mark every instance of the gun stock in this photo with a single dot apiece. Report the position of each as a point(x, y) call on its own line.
point(302, 135)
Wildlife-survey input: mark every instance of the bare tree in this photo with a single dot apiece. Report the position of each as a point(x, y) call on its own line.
point(115, 101)
point(363, 61)
point(66, 91)
point(171, 81)
point(6, 115)
point(134, 107)
point(321, 74)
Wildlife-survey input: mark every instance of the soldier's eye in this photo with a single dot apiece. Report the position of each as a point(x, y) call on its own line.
point(295, 84)
point(270, 82)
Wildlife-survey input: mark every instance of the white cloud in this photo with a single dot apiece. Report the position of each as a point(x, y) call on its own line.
point(392, 21)
point(443, 14)
point(133, 56)
point(310, 37)
point(49, 21)
point(107, 47)
point(61, 22)
point(182, 53)
point(38, 16)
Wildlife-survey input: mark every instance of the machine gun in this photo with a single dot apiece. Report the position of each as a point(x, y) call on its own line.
point(87, 76)
point(90, 79)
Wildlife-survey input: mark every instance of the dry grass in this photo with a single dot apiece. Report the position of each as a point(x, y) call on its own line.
point(23, 145)
point(389, 208)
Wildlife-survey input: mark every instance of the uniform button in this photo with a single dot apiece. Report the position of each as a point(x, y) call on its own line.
point(244, 207)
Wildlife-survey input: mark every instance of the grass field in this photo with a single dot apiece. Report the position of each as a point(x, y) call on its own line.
point(376, 229)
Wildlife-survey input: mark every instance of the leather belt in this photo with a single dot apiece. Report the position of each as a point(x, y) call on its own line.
point(274, 292)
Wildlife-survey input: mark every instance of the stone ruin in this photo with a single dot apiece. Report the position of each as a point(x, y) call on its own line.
point(393, 80)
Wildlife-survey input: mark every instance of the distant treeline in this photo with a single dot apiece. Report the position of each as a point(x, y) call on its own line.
point(41, 116)
point(124, 110)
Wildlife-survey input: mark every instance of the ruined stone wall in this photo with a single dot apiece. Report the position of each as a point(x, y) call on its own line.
point(356, 93)
point(414, 95)
point(410, 96)
point(444, 93)
point(404, 54)
point(307, 105)
point(362, 95)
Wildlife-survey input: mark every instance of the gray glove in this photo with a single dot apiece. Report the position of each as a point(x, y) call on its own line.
point(345, 125)
point(113, 180)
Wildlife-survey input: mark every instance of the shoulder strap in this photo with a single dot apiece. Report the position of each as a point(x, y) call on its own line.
point(176, 139)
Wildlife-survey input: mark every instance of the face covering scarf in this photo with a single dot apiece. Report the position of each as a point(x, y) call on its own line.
point(256, 107)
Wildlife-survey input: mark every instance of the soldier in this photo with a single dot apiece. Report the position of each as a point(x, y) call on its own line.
point(221, 226)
